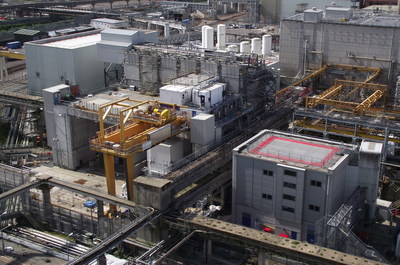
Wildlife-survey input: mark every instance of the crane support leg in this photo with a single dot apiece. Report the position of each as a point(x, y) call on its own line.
point(110, 176)
point(130, 175)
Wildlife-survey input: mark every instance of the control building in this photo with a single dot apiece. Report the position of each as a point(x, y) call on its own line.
point(285, 183)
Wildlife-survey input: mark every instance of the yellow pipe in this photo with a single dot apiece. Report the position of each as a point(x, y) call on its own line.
point(13, 55)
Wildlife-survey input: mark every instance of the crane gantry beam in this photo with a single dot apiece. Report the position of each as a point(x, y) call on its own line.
point(142, 124)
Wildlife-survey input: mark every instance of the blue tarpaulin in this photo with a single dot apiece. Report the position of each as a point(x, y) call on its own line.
point(89, 204)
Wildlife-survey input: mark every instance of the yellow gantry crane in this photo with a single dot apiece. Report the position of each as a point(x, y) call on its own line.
point(141, 126)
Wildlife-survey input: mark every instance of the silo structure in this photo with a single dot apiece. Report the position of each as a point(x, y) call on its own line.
point(209, 38)
point(203, 36)
point(245, 47)
point(221, 36)
point(266, 45)
point(256, 45)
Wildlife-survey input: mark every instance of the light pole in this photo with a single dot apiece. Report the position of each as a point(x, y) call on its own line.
point(70, 234)
point(1, 227)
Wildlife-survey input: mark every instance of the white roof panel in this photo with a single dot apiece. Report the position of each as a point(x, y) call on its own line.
point(73, 43)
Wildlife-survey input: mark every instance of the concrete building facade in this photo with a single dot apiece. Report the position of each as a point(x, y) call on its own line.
point(67, 59)
point(364, 39)
point(275, 10)
point(284, 183)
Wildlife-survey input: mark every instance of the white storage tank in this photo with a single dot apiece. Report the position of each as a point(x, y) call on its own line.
point(266, 45)
point(245, 47)
point(209, 38)
point(232, 48)
point(221, 36)
point(203, 36)
point(256, 45)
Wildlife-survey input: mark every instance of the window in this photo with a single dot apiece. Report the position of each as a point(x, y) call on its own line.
point(268, 172)
point(267, 196)
point(289, 185)
point(290, 173)
point(313, 207)
point(316, 183)
point(288, 209)
point(289, 197)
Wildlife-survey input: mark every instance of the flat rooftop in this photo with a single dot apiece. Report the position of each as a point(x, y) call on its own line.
point(73, 43)
point(297, 150)
point(360, 18)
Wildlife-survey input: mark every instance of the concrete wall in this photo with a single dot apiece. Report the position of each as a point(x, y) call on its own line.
point(262, 196)
point(50, 66)
point(71, 147)
point(274, 10)
point(338, 44)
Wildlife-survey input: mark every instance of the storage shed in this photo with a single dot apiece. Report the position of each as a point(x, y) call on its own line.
point(25, 35)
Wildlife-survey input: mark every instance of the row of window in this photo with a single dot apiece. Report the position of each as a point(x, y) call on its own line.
point(291, 198)
point(284, 196)
point(286, 172)
point(292, 210)
point(294, 174)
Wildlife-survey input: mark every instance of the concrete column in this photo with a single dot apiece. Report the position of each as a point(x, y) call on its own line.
point(261, 258)
point(102, 260)
point(100, 209)
point(148, 26)
point(166, 30)
point(238, 8)
point(222, 197)
point(207, 251)
point(100, 216)
point(48, 215)
point(232, 7)
point(3, 69)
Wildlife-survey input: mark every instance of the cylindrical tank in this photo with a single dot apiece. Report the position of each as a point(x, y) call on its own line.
point(221, 36)
point(266, 45)
point(245, 47)
point(203, 36)
point(209, 38)
point(232, 48)
point(166, 30)
point(256, 45)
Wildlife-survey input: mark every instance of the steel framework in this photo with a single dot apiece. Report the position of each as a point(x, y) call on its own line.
point(136, 132)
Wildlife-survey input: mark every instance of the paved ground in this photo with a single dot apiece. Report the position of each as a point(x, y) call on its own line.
point(86, 179)
point(23, 255)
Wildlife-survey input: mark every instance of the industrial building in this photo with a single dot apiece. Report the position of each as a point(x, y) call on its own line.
point(285, 184)
point(336, 35)
point(162, 124)
point(275, 10)
point(68, 59)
